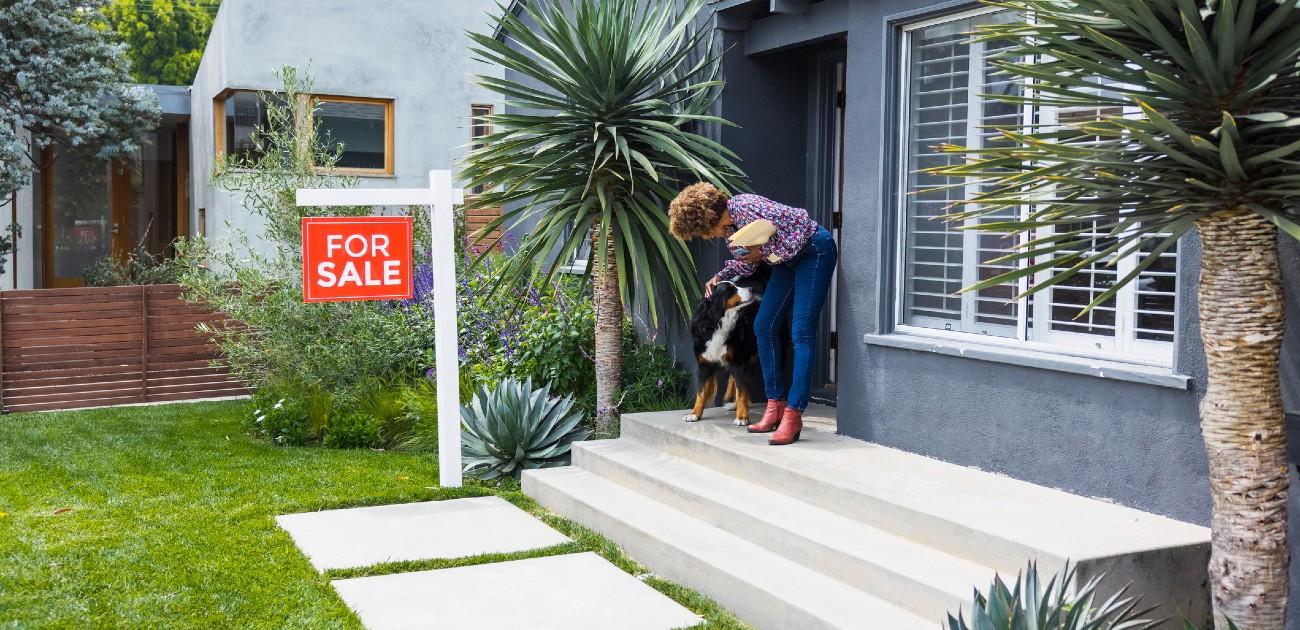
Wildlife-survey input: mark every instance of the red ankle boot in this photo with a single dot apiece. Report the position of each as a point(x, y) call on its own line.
point(771, 417)
point(791, 427)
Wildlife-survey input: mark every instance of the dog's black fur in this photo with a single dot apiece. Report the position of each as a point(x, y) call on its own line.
point(738, 358)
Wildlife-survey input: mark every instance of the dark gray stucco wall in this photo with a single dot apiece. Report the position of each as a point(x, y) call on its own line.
point(1139, 445)
point(1086, 434)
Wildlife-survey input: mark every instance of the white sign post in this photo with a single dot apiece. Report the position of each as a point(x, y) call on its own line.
point(440, 197)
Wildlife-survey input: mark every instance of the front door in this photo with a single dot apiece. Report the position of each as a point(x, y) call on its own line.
point(87, 210)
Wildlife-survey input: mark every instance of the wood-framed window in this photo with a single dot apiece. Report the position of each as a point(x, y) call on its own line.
point(479, 127)
point(236, 115)
point(362, 126)
point(944, 76)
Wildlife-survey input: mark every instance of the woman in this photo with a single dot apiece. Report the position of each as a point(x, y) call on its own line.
point(802, 255)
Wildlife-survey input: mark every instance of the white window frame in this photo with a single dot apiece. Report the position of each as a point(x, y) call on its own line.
point(1123, 346)
point(578, 266)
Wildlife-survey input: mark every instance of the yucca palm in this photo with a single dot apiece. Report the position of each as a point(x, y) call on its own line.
point(1210, 143)
point(613, 96)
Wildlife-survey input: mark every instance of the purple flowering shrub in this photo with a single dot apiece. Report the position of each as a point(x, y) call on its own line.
point(545, 334)
point(521, 332)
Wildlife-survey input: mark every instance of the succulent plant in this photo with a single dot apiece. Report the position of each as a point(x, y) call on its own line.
point(515, 428)
point(1028, 605)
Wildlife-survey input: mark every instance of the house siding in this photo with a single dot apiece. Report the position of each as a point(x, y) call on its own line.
point(410, 51)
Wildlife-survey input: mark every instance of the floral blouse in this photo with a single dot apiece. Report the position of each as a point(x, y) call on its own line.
point(793, 229)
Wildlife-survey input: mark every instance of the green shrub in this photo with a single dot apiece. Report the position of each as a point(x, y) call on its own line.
point(352, 429)
point(515, 427)
point(652, 380)
point(1029, 605)
point(282, 420)
point(386, 404)
point(140, 267)
point(420, 412)
point(290, 414)
point(556, 342)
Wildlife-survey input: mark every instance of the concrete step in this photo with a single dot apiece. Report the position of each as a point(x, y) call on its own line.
point(924, 580)
point(985, 518)
point(762, 587)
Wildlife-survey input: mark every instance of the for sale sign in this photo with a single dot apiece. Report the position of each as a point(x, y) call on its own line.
point(356, 258)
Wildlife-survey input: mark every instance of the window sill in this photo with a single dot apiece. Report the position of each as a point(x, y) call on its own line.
point(336, 172)
point(342, 172)
point(1100, 368)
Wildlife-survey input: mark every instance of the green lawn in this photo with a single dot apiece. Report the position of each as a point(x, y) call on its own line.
point(164, 516)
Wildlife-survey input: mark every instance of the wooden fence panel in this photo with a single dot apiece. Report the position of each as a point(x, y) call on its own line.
point(87, 347)
point(477, 220)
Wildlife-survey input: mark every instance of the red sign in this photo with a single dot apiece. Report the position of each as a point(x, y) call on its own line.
point(356, 258)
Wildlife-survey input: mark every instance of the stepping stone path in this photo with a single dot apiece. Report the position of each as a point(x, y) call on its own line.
point(564, 591)
point(362, 537)
point(568, 591)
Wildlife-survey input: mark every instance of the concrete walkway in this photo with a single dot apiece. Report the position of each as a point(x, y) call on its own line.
point(563, 591)
point(363, 537)
point(567, 591)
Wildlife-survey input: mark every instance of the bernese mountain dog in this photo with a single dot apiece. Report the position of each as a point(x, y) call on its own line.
point(726, 346)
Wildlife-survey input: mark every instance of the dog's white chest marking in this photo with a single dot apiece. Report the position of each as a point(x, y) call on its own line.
point(716, 349)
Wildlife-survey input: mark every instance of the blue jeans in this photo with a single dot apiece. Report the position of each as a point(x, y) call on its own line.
point(797, 288)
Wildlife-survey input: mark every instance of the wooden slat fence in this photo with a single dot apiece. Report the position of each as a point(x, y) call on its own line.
point(479, 218)
point(87, 347)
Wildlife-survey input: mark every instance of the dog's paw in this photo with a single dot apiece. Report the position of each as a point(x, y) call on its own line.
point(690, 417)
point(728, 405)
point(741, 422)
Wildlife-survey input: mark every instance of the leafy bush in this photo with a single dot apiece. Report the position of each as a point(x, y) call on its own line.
point(140, 267)
point(653, 381)
point(420, 412)
point(555, 341)
point(549, 336)
point(352, 429)
point(281, 418)
point(515, 428)
point(1029, 605)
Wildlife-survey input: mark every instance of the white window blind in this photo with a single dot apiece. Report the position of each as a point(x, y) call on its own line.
point(946, 79)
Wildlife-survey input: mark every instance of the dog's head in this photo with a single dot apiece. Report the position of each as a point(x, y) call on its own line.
point(727, 295)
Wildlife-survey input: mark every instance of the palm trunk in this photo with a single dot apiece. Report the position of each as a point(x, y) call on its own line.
point(609, 341)
point(1242, 321)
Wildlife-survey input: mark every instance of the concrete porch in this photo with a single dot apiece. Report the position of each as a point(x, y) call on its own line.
point(839, 533)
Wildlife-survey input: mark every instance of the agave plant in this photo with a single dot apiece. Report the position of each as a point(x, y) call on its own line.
point(1030, 605)
point(612, 97)
point(515, 427)
point(1208, 142)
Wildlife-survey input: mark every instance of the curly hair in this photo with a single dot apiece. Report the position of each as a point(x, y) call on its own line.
point(696, 210)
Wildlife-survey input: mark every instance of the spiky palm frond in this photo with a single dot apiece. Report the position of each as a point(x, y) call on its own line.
point(1211, 91)
point(609, 96)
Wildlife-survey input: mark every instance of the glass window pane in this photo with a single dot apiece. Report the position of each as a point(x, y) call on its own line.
point(948, 73)
point(81, 214)
point(245, 112)
point(356, 127)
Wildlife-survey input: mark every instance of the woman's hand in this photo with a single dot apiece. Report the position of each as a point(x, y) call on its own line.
point(708, 286)
point(752, 257)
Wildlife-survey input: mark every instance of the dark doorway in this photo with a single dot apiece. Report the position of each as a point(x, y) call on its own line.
point(91, 209)
point(825, 180)
point(790, 116)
